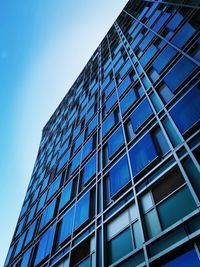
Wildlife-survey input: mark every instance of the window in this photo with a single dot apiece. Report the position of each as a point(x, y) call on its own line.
point(178, 74)
point(84, 254)
point(65, 226)
point(30, 233)
point(124, 85)
point(165, 93)
point(150, 52)
point(64, 263)
point(167, 194)
point(54, 186)
point(119, 176)
point(124, 229)
point(48, 214)
point(78, 142)
point(160, 141)
point(92, 125)
point(128, 101)
point(63, 160)
point(109, 123)
point(82, 210)
point(187, 111)
point(89, 170)
point(26, 258)
point(66, 194)
point(19, 244)
point(142, 154)
point(45, 245)
point(140, 115)
point(111, 101)
point(41, 202)
point(188, 258)
point(164, 58)
point(76, 161)
point(183, 35)
point(115, 142)
point(109, 89)
point(88, 147)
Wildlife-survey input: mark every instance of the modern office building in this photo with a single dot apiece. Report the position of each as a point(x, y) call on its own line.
point(116, 181)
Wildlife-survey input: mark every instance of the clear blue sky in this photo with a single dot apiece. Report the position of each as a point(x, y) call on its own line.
point(43, 47)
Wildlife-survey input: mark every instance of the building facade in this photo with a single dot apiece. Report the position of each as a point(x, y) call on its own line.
point(116, 181)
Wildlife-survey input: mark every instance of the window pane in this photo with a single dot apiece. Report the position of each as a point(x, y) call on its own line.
point(176, 207)
point(140, 114)
point(187, 111)
point(142, 154)
point(65, 226)
point(45, 244)
point(66, 194)
point(82, 210)
point(128, 101)
point(179, 73)
point(189, 258)
point(89, 170)
point(48, 214)
point(116, 250)
point(119, 176)
point(108, 124)
point(152, 223)
point(30, 233)
point(115, 142)
point(137, 234)
point(124, 85)
point(54, 187)
point(26, 258)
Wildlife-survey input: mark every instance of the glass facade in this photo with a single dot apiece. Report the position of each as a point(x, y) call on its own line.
point(116, 181)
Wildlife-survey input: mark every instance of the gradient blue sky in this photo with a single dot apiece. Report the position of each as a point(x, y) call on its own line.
point(44, 45)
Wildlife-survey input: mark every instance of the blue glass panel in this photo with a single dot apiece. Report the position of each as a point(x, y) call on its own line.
point(166, 94)
point(124, 85)
point(161, 141)
point(20, 244)
point(92, 125)
point(63, 160)
point(30, 233)
point(189, 258)
point(108, 124)
point(136, 40)
point(151, 51)
point(146, 40)
point(79, 141)
point(66, 194)
point(111, 101)
point(119, 176)
point(54, 186)
point(76, 161)
point(119, 64)
point(187, 111)
point(82, 210)
point(125, 69)
point(41, 201)
point(140, 114)
point(142, 154)
point(109, 89)
point(128, 101)
point(85, 263)
point(153, 18)
point(87, 148)
point(164, 58)
point(183, 35)
point(45, 244)
point(161, 21)
point(65, 227)
point(26, 258)
point(179, 73)
point(175, 21)
point(115, 142)
point(48, 214)
point(89, 170)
